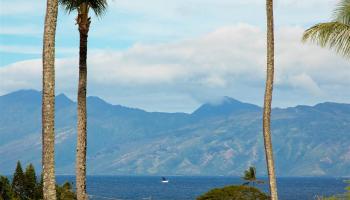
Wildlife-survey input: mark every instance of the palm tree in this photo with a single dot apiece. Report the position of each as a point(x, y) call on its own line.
point(334, 34)
point(48, 102)
point(250, 176)
point(83, 21)
point(268, 101)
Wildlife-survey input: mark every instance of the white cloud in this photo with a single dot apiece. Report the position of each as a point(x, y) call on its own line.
point(227, 62)
point(159, 20)
point(37, 50)
point(20, 7)
point(25, 74)
point(304, 81)
point(21, 30)
point(306, 4)
point(20, 49)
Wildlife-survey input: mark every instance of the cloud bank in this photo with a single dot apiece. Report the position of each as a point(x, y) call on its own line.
point(180, 75)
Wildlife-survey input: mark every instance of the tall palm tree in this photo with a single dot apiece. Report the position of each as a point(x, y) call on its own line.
point(83, 21)
point(334, 34)
point(268, 100)
point(48, 102)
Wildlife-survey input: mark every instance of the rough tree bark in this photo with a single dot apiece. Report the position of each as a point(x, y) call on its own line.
point(84, 24)
point(268, 101)
point(48, 102)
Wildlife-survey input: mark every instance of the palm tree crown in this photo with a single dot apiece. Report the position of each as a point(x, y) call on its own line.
point(250, 174)
point(335, 34)
point(98, 6)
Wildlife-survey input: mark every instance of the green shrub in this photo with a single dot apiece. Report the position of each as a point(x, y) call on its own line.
point(24, 186)
point(239, 192)
point(6, 192)
point(65, 192)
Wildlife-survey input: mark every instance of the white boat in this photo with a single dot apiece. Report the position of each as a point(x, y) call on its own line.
point(164, 180)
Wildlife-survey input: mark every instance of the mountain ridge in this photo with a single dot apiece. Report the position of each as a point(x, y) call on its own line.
point(221, 101)
point(217, 140)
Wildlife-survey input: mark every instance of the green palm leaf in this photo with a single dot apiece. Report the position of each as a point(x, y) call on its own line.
point(335, 35)
point(342, 12)
point(98, 6)
point(250, 174)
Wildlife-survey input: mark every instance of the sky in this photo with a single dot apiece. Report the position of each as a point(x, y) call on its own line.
point(173, 56)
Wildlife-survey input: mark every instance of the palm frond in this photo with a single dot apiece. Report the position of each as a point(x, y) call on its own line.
point(69, 5)
point(334, 35)
point(246, 175)
point(342, 12)
point(98, 6)
point(250, 174)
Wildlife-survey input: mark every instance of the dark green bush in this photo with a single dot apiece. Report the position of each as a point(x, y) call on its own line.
point(6, 192)
point(24, 186)
point(239, 192)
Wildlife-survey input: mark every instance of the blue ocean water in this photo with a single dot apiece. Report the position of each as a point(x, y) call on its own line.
point(188, 188)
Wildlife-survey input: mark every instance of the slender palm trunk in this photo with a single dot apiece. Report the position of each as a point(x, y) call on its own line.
point(268, 100)
point(84, 23)
point(48, 102)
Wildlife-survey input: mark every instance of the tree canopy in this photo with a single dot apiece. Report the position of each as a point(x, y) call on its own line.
point(334, 34)
point(239, 192)
point(25, 186)
point(98, 6)
point(6, 192)
point(18, 182)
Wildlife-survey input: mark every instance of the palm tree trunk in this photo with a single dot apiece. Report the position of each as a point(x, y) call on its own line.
point(82, 116)
point(268, 100)
point(48, 102)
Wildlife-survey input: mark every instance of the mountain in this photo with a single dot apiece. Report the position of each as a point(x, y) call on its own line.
point(221, 138)
point(226, 107)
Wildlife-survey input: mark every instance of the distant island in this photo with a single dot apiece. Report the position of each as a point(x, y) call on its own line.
point(216, 139)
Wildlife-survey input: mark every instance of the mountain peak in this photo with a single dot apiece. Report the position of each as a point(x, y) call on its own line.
point(27, 96)
point(96, 100)
point(225, 106)
point(62, 100)
point(23, 93)
point(230, 100)
point(62, 96)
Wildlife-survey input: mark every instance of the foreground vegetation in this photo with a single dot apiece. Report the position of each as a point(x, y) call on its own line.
point(238, 192)
point(24, 186)
point(345, 196)
point(248, 192)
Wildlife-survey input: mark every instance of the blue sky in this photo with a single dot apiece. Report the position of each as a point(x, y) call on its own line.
point(174, 55)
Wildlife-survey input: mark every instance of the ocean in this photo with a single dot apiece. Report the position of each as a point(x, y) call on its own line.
point(189, 187)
